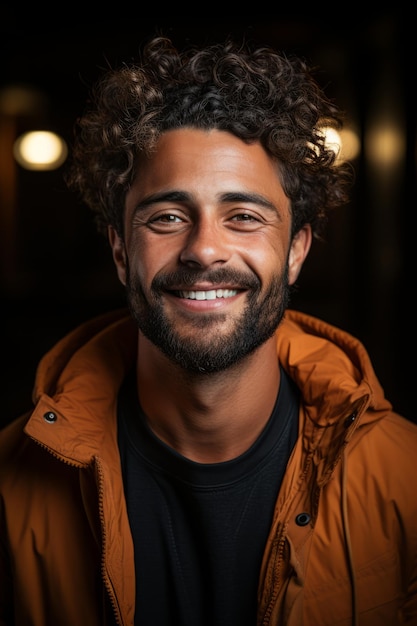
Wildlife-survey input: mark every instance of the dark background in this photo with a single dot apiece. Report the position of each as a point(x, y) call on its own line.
point(56, 271)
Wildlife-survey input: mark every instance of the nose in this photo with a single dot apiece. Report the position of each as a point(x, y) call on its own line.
point(206, 244)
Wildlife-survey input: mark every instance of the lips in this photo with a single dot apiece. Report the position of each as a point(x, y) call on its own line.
point(213, 284)
point(209, 294)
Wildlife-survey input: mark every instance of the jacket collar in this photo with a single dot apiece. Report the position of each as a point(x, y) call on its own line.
point(78, 381)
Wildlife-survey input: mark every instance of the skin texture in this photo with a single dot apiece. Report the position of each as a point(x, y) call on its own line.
point(207, 212)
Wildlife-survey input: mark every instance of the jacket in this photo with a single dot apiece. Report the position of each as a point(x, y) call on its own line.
point(342, 548)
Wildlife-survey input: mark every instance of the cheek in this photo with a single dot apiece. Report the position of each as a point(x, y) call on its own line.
point(148, 258)
point(266, 261)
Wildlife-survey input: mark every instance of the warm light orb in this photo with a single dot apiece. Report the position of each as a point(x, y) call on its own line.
point(40, 150)
point(345, 144)
point(350, 144)
point(385, 145)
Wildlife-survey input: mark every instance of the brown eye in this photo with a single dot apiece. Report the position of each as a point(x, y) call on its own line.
point(167, 217)
point(244, 217)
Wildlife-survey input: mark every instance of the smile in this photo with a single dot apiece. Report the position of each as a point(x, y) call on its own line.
point(211, 294)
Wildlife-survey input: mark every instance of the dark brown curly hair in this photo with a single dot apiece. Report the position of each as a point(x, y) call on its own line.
point(254, 93)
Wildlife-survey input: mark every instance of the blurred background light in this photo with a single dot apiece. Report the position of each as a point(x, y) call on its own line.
point(20, 99)
point(40, 150)
point(344, 143)
point(350, 144)
point(385, 144)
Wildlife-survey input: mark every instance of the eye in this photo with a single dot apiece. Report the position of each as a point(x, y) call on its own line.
point(244, 217)
point(246, 221)
point(167, 218)
point(166, 222)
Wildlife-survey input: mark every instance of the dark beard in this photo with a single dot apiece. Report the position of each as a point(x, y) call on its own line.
point(257, 324)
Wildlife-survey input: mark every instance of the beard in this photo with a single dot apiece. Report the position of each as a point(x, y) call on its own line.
point(212, 349)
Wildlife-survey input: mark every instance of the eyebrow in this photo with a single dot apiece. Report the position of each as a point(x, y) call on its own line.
point(176, 195)
point(249, 198)
point(163, 196)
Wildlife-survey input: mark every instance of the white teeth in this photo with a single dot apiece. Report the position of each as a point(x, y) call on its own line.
point(211, 294)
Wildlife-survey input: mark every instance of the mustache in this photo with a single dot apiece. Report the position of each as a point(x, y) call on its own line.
point(187, 277)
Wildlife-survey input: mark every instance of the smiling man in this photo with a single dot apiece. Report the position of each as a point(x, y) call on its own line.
point(208, 456)
point(206, 252)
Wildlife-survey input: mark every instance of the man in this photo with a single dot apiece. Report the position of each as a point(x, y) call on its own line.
point(209, 457)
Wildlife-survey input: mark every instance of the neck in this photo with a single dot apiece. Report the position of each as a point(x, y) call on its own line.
point(209, 418)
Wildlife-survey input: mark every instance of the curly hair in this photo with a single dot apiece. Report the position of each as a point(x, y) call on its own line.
point(256, 94)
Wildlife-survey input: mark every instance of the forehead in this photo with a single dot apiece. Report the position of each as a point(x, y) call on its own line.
point(207, 161)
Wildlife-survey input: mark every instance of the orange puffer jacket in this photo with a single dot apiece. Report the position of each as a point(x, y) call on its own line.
point(342, 548)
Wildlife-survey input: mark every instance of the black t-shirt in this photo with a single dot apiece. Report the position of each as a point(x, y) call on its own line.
point(199, 530)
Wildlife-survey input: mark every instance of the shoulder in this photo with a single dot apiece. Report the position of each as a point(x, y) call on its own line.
point(384, 453)
point(397, 432)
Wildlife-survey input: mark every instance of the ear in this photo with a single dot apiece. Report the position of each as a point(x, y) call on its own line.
point(119, 253)
point(299, 249)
